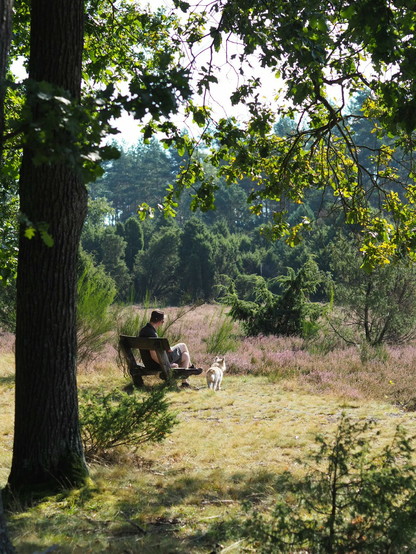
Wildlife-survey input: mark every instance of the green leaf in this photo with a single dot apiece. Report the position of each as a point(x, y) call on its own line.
point(30, 232)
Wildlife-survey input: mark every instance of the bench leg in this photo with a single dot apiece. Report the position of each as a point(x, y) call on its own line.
point(137, 379)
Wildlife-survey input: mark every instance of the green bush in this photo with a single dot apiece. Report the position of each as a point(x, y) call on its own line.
point(120, 419)
point(357, 501)
point(290, 314)
point(95, 293)
point(381, 304)
point(222, 340)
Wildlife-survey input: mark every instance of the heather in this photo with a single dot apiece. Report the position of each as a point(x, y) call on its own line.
point(348, 372)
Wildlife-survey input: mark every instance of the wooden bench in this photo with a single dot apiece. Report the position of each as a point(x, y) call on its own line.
point(161, 347)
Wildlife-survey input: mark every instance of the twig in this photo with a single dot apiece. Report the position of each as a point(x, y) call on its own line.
point(218, 501)
point(229, 547)
point(133, 524)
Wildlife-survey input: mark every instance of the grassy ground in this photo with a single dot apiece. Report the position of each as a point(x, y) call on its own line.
point(186, 494)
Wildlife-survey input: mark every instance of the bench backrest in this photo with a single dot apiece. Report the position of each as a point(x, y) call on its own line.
point(159, 345)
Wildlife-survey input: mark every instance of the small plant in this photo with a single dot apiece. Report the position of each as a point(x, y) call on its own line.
point(95, 322)
point(222, 339)
point(357, 501)
point(119, 419)
point(131, 321)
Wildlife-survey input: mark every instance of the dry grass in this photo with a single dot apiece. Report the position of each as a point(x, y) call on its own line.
point(186, 494)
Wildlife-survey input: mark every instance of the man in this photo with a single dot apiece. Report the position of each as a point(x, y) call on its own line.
point(178, 355)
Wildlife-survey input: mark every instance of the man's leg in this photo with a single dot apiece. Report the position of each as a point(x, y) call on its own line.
point(185, 360)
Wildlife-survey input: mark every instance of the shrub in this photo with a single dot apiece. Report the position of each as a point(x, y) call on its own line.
point(357, 502)
point(116, 419)
point(96, 291)
point(381, 303)
point(131, 321)
point(291, 314)
point(222, 339)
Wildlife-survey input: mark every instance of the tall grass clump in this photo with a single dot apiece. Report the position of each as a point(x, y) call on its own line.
point(119, 419)
point(172, 328)
point(355, 501)
point(95, 321)
point(222, 339)
point(131, 321)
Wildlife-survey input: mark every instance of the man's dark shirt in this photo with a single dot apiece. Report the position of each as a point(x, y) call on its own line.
point(148, 331)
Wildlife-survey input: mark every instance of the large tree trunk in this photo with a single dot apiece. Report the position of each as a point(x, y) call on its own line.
point(47, 450)
point(5, 37)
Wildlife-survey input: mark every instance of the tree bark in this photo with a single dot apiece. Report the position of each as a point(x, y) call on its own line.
point(5, 38)
point(47, 449)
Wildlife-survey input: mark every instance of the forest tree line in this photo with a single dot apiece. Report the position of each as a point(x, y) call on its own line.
point(225, 254)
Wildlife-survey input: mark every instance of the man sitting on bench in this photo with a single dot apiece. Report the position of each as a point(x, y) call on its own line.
point(178, 355)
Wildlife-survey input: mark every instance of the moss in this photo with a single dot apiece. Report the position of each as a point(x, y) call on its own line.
point(26, 487)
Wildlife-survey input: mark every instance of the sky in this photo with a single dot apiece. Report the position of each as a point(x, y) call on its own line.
point(220, 93)
point(219, 102)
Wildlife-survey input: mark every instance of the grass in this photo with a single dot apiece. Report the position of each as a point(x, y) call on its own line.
point(187, 493)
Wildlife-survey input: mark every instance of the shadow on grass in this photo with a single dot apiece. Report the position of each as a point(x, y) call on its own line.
point(7, 380)
point(165, 527)
point(192, 514)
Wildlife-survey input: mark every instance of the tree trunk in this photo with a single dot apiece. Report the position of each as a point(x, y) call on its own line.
point(47, 450)
point(5, 38)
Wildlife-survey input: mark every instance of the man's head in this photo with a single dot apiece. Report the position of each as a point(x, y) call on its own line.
point(157, 317)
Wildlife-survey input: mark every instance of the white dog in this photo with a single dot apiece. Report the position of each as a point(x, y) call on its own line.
point(215, 373)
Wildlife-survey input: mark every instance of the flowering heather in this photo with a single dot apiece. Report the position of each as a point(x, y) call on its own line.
point(6, 342)
point(350, 373)
point(386, 374)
